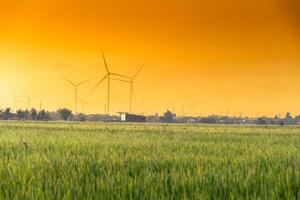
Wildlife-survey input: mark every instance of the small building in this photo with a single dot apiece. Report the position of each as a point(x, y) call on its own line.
point(125, 117)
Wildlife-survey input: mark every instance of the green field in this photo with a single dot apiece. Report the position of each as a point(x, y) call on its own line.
point(136, 161)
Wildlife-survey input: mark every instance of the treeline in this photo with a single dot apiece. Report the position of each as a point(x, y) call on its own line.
point(168, 117)
point(43, 115)
point(34, 114)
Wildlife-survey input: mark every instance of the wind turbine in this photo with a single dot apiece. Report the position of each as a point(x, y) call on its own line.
point(130, 81)
point(76, 85)
point(16, 102)
point(83, 102)
point(108, 77)
point(41, 105)
point(27, 98)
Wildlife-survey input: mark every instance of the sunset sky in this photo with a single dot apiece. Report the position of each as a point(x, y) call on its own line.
point(199, 57)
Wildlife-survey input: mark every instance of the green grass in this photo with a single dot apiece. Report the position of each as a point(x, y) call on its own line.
point(136, 161)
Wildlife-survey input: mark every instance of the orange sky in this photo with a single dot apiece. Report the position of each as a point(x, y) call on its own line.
point(200, 57)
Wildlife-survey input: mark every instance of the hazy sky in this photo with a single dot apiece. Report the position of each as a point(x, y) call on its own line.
point(200, 57)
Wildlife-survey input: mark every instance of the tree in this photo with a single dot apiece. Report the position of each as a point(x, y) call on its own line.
point(43, 115)
point(213, 120)
point(1, 113)
point(20, 115)
point(26, 114)
point(262, 121)
point(33, 114)
point(288, 119)
point(7, 114)
point(81, 117)
point(168, 117)
point(64, 113)
point(288, 116)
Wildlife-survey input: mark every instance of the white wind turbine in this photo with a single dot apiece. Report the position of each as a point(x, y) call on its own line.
point(28, 98)
point(83, 103)
point(108, 76)
point(131, 81)
point(76, 85)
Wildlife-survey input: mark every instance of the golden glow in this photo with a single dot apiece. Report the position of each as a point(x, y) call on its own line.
point(200, 57)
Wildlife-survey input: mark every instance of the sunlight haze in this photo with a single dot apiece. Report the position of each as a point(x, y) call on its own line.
point(199, 57)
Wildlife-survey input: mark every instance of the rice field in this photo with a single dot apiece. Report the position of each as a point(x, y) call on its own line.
point(148, 161)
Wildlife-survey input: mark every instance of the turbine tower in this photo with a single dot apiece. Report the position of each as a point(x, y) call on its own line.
point(76, 85)
point(108, 76)
point(41, 105)
point(130, 81)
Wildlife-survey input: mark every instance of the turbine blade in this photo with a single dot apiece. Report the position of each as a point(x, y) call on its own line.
point(98, 84)
point(121, 80)
point(83, 82)
point(115, 74)
point(138, 71)
point(68, 81)
point(105, 64)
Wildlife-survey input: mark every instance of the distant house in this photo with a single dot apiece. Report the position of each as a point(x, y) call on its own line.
point(125, 117)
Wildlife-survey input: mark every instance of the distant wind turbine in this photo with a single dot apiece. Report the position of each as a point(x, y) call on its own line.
point(76, 85)
point(41, 105)
point(27, 98)
point(108, 77)
point(83, 102)
point(16, 102)
point(130, 81)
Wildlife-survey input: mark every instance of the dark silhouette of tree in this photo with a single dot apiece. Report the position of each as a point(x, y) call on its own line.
point(213, 120)
point(288, 119)
point(7, 114)
point(168, 117)
point(33, 114)
point(20, 115)
point(81, 117)
point(27, 114)
point(64, 113)
point(43, 115)
point(288, 116)
point(1, 113)
point(261, 121)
